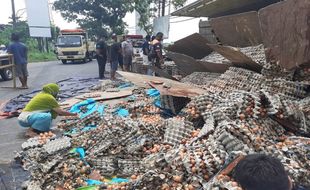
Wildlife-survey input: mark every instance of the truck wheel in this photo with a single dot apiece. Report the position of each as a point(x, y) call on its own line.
point(6, 74)
point(64, 61)
point(89, 56)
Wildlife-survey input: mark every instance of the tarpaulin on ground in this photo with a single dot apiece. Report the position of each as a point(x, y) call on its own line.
point(68, 88)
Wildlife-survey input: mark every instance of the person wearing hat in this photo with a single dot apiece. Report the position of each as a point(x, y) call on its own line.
point(41, 110)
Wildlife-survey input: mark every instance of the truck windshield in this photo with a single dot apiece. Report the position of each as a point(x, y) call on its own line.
point(69, 41)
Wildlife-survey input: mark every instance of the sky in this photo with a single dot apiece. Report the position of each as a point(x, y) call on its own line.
point(178, 29)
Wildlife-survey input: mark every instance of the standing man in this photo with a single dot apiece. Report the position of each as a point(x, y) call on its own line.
point(127, 51)
point(19, 51)
point(101, 56)
point(156, 52)
point(114, 56)
point(146, 49)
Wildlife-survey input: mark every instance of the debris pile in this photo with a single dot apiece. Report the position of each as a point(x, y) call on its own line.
point(138, 144)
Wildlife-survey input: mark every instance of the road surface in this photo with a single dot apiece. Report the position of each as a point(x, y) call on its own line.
point(11, 135)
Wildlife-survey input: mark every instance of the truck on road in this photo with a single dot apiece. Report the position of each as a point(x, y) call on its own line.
point(5, 73)
point(74, 45)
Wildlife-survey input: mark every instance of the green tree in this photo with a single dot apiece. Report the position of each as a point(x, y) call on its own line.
point(101, 16)
point(106, 16)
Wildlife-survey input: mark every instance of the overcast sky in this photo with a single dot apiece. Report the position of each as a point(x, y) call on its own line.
point(178, 29)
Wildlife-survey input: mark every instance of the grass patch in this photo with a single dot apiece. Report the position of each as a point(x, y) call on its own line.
point(34, 56)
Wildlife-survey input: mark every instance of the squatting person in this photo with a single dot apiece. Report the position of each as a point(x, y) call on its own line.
point(41, 110)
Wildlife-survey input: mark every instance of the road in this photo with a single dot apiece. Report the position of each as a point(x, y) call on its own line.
point(11, 135)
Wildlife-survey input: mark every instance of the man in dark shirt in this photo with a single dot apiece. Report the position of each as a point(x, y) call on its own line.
point(263, 172)
point(101, 56)
point(146, 46)
point(19, 51)
point(114, 56)
point(156, 52)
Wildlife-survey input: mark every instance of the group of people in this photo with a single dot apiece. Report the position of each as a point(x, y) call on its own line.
point(152, 52)
point(120, 54)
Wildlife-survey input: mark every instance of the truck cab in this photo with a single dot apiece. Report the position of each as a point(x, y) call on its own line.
point(74, 45)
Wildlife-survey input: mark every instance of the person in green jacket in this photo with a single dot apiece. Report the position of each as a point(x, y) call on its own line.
point(41, 110)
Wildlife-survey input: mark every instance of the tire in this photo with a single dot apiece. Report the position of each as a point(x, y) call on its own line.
point(64, 61)
point(6, 74)
point(89, 56)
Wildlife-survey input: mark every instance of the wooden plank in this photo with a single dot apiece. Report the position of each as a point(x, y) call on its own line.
point(177, 88)
point(6, 66)
point(237, 58)
point(104, 96)
point(216, 8)
point(99, 96)
point(193, 46)
point(239, 30)
point(189, 65)
point(286, 32)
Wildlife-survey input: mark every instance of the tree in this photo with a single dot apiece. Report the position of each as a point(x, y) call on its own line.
point(100, 16)
point(106, 16)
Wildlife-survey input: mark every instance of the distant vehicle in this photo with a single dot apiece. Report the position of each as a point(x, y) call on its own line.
point(6, 73)
point(74, 45)
point(137, 42)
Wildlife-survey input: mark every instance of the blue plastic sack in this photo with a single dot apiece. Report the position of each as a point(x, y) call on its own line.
point(122, 112)
point(153, 92)
point(79, 151)
point(100, 109)
point(126, 85)
point(93, 182)
point(76, 107)
point(118, 180)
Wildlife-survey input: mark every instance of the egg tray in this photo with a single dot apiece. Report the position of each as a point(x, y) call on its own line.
point(273, 70)
point(287, 88)
point(57, 145)
point(177, 130)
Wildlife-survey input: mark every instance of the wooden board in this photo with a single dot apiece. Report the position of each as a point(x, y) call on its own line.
point(103, 96)
point(189, 65)
point(239, 30)
point(193, 46)
point(177, 88)
point(286, 32)
point(237, 58)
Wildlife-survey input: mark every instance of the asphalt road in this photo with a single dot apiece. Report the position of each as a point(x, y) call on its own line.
point(11, 135)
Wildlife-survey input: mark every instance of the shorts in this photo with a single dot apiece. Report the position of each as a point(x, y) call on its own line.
point(38, 121)
point(128, 60)
point(21, 70)
point(146, 60)
point(114, 65)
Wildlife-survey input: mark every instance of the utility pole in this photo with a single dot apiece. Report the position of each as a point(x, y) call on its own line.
point(13, 13)
point(163, 10)
point(159, 5)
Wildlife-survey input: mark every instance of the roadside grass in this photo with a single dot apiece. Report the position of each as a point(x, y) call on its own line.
point(35, 56)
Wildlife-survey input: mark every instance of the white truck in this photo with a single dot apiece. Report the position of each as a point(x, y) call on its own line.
point(74, 45)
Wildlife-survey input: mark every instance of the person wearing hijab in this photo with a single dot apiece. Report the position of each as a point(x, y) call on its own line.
point(41, 110)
